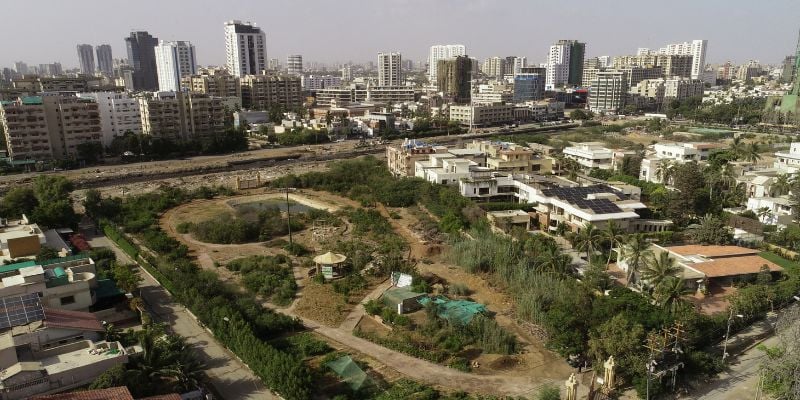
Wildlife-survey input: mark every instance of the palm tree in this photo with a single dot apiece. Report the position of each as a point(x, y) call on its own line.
point(587, 239)
point(635, 251)
point(764, 214)
point(752, 153)
point(187, 372)
point(551, 259)
point(736, 147)
point(664, 171)
point(727, 175)
point(781, 185)
point(614, 234)
point(658, 269)
point(669, 294)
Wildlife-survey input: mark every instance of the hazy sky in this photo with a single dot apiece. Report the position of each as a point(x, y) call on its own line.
point(340, 30)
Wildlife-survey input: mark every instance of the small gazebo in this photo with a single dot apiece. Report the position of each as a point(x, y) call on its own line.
point(330, 264)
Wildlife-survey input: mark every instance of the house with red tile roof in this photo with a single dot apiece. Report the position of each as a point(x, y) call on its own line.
point(705, 265)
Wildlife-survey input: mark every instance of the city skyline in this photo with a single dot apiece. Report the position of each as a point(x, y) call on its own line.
point(411, 27)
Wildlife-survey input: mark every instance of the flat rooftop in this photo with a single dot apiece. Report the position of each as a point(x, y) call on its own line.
point(78, 357)
point(733, 266)
point(711, 251)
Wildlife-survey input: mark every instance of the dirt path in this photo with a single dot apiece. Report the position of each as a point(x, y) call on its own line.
point(537, 367)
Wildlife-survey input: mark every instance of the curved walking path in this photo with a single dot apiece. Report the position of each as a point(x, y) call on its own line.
point(414, 368)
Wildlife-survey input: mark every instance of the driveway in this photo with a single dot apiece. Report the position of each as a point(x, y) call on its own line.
point(230, 377)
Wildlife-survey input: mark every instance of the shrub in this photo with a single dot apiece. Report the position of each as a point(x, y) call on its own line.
point(460, 363)
point(459, 289)
point(184, 227)
point(296, 249)
point(309, 345)
point(349, 284)
point(373, 307)
point(548, 391)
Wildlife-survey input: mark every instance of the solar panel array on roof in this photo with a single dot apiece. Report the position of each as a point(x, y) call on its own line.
point(577, 196)
point(20, 310)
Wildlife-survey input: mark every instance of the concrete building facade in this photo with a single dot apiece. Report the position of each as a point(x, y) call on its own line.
point(214, 83)
point(105, 60)
point(182, 117)
point(294, 64)
point(442, 52)
point(608, 91)
point(51, 126)
point(245, 48)
point(86, 59)
point(174, 61)
point(389, 69)
point(260, 92)
point(119, 114)
point(142, 57)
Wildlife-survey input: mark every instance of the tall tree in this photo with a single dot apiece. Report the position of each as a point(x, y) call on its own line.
point(710, 230)
point(669, 294)
point(752, 153)
point(614, 234)
point(736, 147)
point(636, 251)
point(781, 185)
point(659, 268)
point(664, 171)
point(587, 239)
point(18, 201)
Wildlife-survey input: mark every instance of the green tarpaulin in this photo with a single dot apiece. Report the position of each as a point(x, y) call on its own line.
point(461, 311)
point(350, 372)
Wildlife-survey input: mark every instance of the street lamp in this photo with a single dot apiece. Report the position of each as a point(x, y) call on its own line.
point(727, 334)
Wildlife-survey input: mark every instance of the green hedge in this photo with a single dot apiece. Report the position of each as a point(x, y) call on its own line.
point(117, 237)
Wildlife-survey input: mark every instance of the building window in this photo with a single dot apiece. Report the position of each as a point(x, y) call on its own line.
point(67, 300)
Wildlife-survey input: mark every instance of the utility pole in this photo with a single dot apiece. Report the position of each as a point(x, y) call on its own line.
point(289, 220)
point(727, 334)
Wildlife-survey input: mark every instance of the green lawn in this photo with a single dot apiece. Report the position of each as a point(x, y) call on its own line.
point(789, 266)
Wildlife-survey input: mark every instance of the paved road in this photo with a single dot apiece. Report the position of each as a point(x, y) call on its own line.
point(228, 375)
point(742, 378)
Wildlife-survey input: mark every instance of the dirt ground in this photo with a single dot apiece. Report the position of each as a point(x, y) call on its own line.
point(534, 359)
point(316, 302)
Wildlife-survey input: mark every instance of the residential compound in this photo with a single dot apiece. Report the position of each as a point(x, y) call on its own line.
point(47, 350)
point(183, 117)
point(49, 126)
point(705, 269)
point(354, 93)
point(661, 157)
point(499, 171)
point(590, 155)
point(260, 92)
point(788, 162)
point(68, 283)
point(765, 196)
point(119, 114)
point(696, 49)
point(213, 82)
point(647, 80)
